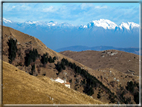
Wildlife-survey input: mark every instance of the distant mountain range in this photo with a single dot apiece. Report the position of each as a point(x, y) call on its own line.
point(101, 32)
point(98, 48)
point(102, 23)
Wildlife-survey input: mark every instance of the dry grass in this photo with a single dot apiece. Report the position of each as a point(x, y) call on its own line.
point(22, 88)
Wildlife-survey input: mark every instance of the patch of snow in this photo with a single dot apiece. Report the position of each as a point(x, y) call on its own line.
point(52, 23)
point(7, 21)
point(125, 25)
point(84, 26)
point(129, 25)
point(106, 24)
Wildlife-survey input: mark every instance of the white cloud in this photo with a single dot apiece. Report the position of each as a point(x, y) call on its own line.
point(49, 9)
point(13, 6)
point(86, 5)
point(101, 7)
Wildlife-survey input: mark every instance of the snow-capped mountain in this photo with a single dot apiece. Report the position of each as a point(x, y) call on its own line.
point(129, 25)
point(106, 24)
point(101, 32)
point(52, 23)
point(34, 22)
point(6, 20)
point(102, 23)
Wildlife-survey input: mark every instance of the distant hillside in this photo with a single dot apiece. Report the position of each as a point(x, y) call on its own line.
point(119, 60)
point(22, 88)
point(98, 48)
point(116, 69)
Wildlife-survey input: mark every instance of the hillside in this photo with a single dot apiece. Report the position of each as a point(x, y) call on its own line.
point(29, 54)
point(22, 88)
point(98, 48)
point(113, 68)
point(119, 60)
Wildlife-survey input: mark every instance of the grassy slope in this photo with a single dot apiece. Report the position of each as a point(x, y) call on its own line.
point(22, 88)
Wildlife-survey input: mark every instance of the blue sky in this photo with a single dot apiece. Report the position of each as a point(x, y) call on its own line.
point(73, 13)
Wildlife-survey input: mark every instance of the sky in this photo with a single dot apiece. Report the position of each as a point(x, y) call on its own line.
point(73, 13)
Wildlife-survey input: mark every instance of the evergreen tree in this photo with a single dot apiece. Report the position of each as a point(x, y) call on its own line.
point(31, 56)
point(32, 70)
point(12, 49)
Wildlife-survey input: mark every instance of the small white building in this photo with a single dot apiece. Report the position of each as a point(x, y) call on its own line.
point(67, 84)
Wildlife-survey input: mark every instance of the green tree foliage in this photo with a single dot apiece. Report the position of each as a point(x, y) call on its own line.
point(31, 56)
point(12, 49)
point(127, 101)
point(98, 95)
point(136, 97)
point(91, 81)
point(112, 99)
point(58, 67)
point(44, 59)
point(88, 90)
point(32, 69)
point(70, 80)
point(54, 58)
point(130, 86)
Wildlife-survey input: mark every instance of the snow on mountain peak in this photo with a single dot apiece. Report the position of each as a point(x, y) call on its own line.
point(6, 20)
point(125, 25)
point(52, 23)
point(32, 22)
point(106, 24)
point(82, 26)
point(103, 23)
point(129, 25)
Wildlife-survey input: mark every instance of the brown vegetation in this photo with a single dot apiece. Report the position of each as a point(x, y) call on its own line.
point(22, 88)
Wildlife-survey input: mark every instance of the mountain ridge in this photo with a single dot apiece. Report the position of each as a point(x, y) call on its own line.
point(104, 23)
point(59, 34)
point(98, 48)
